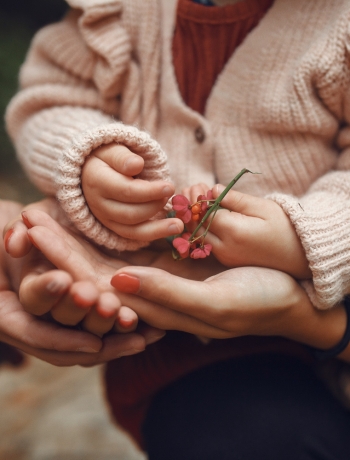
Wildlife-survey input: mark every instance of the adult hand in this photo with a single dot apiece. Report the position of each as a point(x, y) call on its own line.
point(236, 302)
point(49, 341)
point(42, 288)
point(231, 303)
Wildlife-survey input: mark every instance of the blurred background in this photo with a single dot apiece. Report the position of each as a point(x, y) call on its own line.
point(19, 19)
point(47, 413)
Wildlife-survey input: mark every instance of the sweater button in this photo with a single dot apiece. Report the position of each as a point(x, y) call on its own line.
point(199, 134)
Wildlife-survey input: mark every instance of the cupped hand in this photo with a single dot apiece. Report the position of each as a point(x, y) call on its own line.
point(123, 202)
point(235, 302)
point(229, 303)
point(42, 288)
point(84, 263)
point(46, 340)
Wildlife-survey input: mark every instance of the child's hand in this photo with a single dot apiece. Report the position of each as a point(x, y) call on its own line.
point(123, 203)
point(256, 231)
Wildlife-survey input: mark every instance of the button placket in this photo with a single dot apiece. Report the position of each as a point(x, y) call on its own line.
point(199, 134)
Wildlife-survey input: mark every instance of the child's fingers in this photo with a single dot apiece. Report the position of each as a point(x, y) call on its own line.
point(150, 230)
point(75, 305)
point(243, 203)
point(38, 293)
point(191, 193)
point(108, 183)
point(196, 190)
point(127, 213)
point(120, 158)
point(126, 321)
point(101, 318)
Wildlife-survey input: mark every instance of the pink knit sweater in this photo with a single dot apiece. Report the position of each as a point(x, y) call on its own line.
point(281, 106)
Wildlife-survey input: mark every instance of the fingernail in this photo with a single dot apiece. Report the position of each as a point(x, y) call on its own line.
point(7, 237)
point(173, 229)
point(167, 190)
point(219, 188)
point(81, 302)
point(154, 338)
point(125, 283)
point(31, 239)
point(125, 323)
point(25, 220)
point(87, 350)
point(56, 288)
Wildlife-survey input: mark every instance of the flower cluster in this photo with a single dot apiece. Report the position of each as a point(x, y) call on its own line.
point(187, 244)
point(190, 245)
point(191, 212)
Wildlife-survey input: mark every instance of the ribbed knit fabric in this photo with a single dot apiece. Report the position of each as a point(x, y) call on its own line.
point(280, 106)
point(204, 40)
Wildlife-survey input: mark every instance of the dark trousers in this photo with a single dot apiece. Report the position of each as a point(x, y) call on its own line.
point(263, 407)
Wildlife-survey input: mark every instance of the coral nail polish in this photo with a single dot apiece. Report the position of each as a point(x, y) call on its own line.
point(126, 283)
point(31, 239)
point(81, 302)
point(25, 220)
point(7, 238)
point(125, 324)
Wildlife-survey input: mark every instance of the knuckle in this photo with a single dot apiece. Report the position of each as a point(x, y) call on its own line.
point(128, 191)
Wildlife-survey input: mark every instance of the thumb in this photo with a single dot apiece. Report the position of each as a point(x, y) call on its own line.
point(242, 203)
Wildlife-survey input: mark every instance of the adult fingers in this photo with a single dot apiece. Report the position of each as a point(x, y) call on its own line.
point(39, 292)
point(16, 240)
point(25, 330)
point(15, 231)
point(75, 304)
point(101, 318)
point(127, 320)
point(192, 298)
point(114, 346)
point(64, 252)
point(161, 317)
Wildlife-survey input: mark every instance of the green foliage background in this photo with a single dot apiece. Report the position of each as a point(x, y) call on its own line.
point(19, 20)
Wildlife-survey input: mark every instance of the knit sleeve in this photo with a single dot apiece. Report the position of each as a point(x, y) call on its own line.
point(71, 85)
point(321, 219)
point(322, 216)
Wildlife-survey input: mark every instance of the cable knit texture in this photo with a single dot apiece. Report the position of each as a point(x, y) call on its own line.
point(280, 106)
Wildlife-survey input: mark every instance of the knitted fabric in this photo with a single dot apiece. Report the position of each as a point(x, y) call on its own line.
point(281, 106)
point(204, 40)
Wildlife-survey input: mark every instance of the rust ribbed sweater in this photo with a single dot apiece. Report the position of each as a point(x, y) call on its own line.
point(204, 39)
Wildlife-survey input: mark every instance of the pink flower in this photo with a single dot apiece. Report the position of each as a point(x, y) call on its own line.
point(182, 246)
point(204, 204)
point(182, 207)
point(202, 252)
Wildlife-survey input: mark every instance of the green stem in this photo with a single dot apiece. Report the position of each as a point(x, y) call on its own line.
point(218, 200)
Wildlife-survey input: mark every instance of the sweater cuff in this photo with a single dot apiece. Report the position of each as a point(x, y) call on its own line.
point(68, 180)
point(322, 222)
